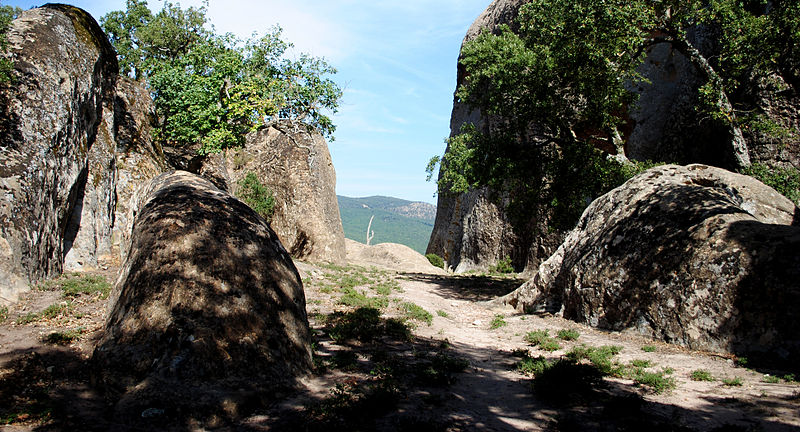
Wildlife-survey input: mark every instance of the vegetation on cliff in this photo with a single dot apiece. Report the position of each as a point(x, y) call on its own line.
point(212, 89)
point(7, 14)
point(556, 90)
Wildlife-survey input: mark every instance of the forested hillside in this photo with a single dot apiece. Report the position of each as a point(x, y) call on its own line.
point(396, 220)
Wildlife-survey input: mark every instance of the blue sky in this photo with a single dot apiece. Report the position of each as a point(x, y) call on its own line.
point(397, 66)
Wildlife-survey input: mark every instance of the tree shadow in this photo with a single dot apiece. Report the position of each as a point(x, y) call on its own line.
point(468, 287)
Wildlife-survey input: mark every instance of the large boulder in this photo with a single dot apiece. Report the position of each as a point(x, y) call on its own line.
point(209, 310)
point(50, 119)
point(295, 164)
point(695, 255)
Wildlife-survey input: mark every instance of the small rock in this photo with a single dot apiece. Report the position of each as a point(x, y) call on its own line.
point(152, 412)
point(476, 323)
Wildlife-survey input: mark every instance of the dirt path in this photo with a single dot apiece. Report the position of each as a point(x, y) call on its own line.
point(458, 373)
point(493, 394)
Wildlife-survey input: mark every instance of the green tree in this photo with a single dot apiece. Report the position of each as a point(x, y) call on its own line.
point(555, 89)
point(7, 14)
point(211, 89)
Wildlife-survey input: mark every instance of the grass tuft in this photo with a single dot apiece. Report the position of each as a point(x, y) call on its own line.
point(416, 312)
point(732, 382)
point(701, 375)
point(568, 334)
point(497, 322)
point(63, 337)
point(542, 339)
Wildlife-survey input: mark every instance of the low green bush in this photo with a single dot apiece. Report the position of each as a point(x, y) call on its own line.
point(497, 322)
point(435, 260)
point(568, 334)
point(257, 196)
point(701, 375)
point(416, 312)
point(502, 266)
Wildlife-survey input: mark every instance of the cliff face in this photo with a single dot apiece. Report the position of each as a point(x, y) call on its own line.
point(52, 123)
point(472, 230)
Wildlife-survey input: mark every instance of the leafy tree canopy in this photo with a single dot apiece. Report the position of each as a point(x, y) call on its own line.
point(7, 14)
point(557, 88)
point(212, 89)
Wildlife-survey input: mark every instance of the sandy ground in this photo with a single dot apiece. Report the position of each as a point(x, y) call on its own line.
point(490, 394)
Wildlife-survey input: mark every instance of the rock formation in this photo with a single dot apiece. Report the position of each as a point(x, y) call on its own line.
point(695, 255)
point(472, 230)
point(663, 125)
point(391, 256)
point(208, 311)
point(139, 158)
point(52, 117)
point(87, 239)
point(296, 165)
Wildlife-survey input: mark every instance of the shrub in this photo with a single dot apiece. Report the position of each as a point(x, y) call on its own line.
point(568, 335)
point(497, 322)
point(435, 260)
point(63, 337)
point(532, 365)
point(85, 284)
point(563, 381)
point(56, 310)
point(599, 357)
point(503, 266)
point(416, 312)
point(641, 363)
point(649, 348)
point(701, 375)
point(440, 369)
point(3, 314)
point(28, 318)
point(542, 339)
point(353, 298)
point(771, 379)
point(784, 180)
point(442, 313)
point(732, 382)
point(257, 196)
point(536, 337)
point(364, 324)
point(657, 381)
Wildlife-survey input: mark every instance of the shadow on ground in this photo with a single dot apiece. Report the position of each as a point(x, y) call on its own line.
point(468, 287)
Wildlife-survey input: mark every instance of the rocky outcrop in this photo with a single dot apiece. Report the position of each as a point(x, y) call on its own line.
point(662, 125)
point(296, 165)
point(209, 310)
point(472, 230)
point(695, 255)
point(139, 158)
point(52, 119)
point(391, 256)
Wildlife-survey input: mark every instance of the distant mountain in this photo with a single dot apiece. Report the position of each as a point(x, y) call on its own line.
point(396, 220)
